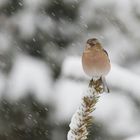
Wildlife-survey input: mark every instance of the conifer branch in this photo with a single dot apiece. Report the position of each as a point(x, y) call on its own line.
point(82, 119)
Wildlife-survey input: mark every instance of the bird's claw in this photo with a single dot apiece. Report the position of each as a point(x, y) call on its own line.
point(97, 85)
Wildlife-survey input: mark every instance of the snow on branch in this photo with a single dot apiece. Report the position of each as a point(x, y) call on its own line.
point(123, 79)
point(82, 119)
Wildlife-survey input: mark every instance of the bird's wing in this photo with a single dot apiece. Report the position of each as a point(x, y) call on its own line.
point(106, 54)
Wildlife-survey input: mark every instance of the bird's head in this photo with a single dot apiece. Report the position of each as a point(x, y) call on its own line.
point(92, 43)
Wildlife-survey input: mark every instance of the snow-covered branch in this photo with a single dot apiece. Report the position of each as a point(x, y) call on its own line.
point(82, 118)
point(123, 79)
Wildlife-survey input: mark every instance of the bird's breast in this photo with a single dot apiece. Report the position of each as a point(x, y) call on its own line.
point(95, 63)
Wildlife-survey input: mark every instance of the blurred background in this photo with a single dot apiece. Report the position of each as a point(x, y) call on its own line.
point(41, 77)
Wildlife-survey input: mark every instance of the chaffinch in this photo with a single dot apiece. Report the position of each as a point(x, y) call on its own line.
point(95, 61)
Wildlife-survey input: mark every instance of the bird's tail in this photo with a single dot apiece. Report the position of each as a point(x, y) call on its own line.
point(105, 87)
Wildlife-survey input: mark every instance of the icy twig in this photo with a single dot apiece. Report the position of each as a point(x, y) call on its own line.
point(82, 119)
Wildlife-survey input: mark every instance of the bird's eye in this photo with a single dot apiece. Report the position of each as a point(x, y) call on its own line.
point(92, 42)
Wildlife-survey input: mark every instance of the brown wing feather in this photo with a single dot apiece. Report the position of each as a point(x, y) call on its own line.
point(106, 54)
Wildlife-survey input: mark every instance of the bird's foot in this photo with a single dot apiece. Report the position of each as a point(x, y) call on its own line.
point(97, 85)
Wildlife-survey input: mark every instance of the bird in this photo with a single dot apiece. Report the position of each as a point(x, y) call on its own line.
point(96, 62)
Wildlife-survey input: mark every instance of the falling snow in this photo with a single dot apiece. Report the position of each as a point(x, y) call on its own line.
point(41, 75)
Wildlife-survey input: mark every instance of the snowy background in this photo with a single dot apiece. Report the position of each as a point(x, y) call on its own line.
point(41, 77)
